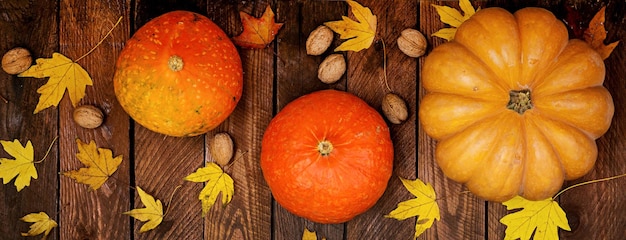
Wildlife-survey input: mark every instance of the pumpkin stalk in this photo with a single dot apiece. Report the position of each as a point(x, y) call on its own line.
point(519, 101)
point(325, 147)
point(175, 63)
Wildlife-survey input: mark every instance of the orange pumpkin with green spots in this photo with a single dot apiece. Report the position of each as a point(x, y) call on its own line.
point(179, 75)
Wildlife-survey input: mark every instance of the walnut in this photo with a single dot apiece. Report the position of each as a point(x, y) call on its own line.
point(332, 68)
point(88, 116)
point(412, 43)
point(16, 60)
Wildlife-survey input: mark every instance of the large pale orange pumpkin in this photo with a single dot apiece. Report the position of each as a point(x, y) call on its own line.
point(327, 156)
point(179, 75)
point(515, 106)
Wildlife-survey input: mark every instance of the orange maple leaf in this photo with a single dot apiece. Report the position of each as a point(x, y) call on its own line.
point(596, 34)
point(257, 32)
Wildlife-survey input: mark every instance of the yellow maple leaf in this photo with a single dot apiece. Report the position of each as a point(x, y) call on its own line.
point(596, 34)
point(22, 168)
point(217, 181)
point(360, 34)
point(543, 218)
point(100, 165)
point(63, 74)
point(42, 223)
point(453, 18)
point(152, 213)
point(424, 206)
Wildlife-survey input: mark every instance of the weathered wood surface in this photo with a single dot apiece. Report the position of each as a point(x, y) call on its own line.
point(273, 77)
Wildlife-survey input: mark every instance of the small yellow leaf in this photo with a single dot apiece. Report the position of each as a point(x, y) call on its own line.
point(22, 168)
point(445, 33)
point(453, 17)
point(360, 33)
point(42, 223)
point(152, 213)
point(63, 74)
point(217, 181)
point(449, 15)
point(467, 9)
point(100, 165)
point(309, 235)
point(424, 206)
point(543, 218)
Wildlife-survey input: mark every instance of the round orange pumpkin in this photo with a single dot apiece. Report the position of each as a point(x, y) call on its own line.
point(515, 106)
point(327, 156)
point(179, 75)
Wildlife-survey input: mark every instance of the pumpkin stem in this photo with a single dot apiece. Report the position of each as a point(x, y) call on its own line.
point(175, 63)
point(519, 101)
point(325, 147)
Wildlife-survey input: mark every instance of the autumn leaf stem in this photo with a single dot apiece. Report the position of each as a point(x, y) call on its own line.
point(101, 40)
point(385, 64)
point(239, 155)
point(169, 202)
point(588, 182)
point(48, 151)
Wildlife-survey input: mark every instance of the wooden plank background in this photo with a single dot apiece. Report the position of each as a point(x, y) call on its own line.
point(273, 77)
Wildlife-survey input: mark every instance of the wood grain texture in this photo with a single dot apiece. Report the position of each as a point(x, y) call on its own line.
point(84, 213)
point(31, 25)
point(366, 78)
point(161, 164)
point(251, 206)
point(248, 216)
point(495, 230)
